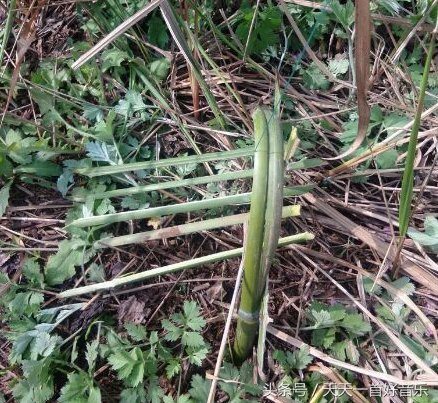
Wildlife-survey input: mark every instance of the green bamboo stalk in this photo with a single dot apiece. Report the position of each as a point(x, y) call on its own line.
point(406, 194)
point(190, 159)
point(250, 300)
point(205, 204)
point(255, 278)
point(185, 229)
point(185, 265)
point(167, 185)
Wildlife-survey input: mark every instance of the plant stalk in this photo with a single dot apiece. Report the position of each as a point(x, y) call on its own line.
point(263, 248)
point(190, 159)
point(185, 229)
point(185, 265)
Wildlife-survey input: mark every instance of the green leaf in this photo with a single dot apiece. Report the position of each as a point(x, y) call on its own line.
point(174, 332)
point(429, 237)
point(352, 352)
point(338, 66)
point(37, 383)
point(404, 284)
point(44, 345)
point(61, 266)
point(387, 159)
point(40, 168)
point(113, 58)
point(132, 102)
point(80, 389)
point(96, 273)
point(338, 350)
point(26, 303)
point(91, 355)
point(32, 272)
point(355, 324)
point(265, 29)
point(394, 122)
point(314, 79)
point(370, 287)
point(101, 152)
point(298, 360)
point(173, 368)
point(192, 339)
point(344, 12)
point(160, 68)
point(130, 366)
point(133, 395)
point(197, 355)
point(157, 32)
point(199, 389)
point(242, 384)
point(136, 332)
point(4, 197)
point(322, 318)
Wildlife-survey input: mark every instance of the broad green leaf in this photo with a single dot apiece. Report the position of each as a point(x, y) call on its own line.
point(338, 66)
point(265, 29)
point(40, 168)
point(199, 388)
point(314, 79)
point(429, 237)
point(136, 332)
point(113, 58)
point(130, 366)
point(387, 159)
point(344, 12)
point(157, 31)
point(80, 389)
point(160, 68)
point(61, 266)
point(355, 324)
point(36, 386)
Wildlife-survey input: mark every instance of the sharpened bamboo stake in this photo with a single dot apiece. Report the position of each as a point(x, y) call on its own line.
point(185, 229)
point(190, 159)
point(205, 204)
point(185, 265)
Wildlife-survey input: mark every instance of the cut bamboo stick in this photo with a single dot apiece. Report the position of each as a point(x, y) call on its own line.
point(184, 265)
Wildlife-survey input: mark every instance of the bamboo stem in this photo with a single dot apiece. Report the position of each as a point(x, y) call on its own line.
point(191, 159)
point(184, 265)
point(256, 272)
point(172, 209)
point(185, 229)
point(248, 173)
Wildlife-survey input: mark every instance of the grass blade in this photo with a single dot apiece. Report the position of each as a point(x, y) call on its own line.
point(408, 174)
point(178, 36)
point(8, 28)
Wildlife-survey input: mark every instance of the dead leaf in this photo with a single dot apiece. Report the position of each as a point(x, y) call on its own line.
point(214, 292)
point(131, 310)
